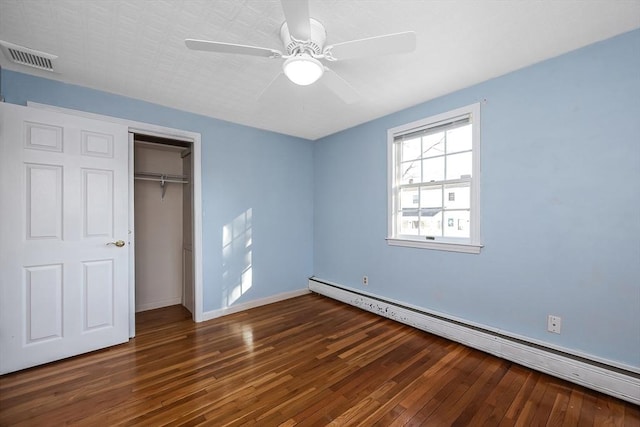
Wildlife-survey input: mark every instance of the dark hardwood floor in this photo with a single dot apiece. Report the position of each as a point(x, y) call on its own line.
point(304, 361)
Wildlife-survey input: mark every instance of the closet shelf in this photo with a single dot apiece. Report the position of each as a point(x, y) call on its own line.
point(162, 178)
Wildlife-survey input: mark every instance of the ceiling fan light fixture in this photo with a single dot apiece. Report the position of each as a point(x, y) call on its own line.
point(303, 69)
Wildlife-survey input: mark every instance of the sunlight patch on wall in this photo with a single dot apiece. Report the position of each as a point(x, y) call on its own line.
point(237, 272)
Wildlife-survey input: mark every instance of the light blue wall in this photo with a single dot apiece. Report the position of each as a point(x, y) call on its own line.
point(242, 169)
point(560, 206)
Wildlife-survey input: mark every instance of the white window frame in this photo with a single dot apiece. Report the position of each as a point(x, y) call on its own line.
point(473, 243)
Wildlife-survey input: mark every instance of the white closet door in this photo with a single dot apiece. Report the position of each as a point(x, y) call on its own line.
point(64, 200)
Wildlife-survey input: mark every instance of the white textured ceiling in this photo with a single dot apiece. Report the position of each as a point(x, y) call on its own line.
point(136, 48)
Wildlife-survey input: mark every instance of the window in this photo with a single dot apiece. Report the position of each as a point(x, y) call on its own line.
point(434, 182)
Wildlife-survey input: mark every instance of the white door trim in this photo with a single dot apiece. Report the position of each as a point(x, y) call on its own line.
point(164, 132)
point(132, 242)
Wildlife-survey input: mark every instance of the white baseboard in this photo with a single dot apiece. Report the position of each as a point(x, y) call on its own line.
point(158, 304)
point(208, 315)
point(595, 374)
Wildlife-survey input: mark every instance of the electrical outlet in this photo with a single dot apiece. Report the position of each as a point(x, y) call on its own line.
point(554, 323)
point(365, 280)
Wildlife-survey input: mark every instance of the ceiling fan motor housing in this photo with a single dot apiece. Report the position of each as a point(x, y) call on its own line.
point(314, 45)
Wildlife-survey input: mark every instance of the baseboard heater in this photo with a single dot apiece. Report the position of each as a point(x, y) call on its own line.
point(615, 381)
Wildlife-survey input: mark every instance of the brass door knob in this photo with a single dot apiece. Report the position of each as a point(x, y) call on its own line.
point(118, 243)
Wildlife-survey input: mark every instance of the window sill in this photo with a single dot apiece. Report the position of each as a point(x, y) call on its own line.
point(442, 246)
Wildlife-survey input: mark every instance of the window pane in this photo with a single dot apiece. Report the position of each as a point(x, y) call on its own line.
point(410, 149)
point(408, 222)
point(433, 145)
point(431, 197)
point(409, 198)
point(458, 165)
point(457, 196)
point(408, 211)
point(431, 225)
point(433, 169)
point(456, 224)
point(459, 139)
point(410, 172)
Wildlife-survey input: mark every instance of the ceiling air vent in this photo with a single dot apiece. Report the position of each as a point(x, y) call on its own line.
point(29, 57)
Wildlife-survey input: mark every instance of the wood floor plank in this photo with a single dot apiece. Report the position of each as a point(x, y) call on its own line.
point(572, 416)
point(474, 400)
point(528, 415)
point(631, 415)
point(518, 404)
point(306, 361)
point(558, 410)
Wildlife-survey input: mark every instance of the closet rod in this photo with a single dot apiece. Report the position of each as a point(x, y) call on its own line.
point(159, 176)
point(163, 179)
point(176, 181)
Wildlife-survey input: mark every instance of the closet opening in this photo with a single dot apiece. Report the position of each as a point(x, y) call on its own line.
point(163, 223)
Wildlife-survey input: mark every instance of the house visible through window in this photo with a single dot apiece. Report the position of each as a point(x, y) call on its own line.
point(434, 179)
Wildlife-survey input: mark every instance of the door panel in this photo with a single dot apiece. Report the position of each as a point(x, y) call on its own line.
point(97, 201)
point(64, 190)
point(97, 145)
point(99, 291)
point(43, 314)
point(44, 201)
point(43, 137)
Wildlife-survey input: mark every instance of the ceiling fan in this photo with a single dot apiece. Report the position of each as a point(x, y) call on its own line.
point(304, 45)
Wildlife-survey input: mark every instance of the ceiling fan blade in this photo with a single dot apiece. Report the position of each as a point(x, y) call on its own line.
point(340, 87)
point(296, 12)
point(374, 46)
point(240, 49)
